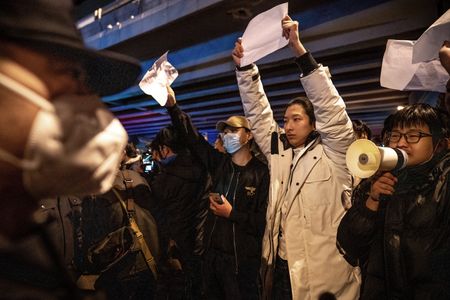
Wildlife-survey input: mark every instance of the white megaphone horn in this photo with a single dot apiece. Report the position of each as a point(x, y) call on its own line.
point(364, 158)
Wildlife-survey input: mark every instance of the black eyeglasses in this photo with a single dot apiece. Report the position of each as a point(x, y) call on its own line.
point(410, 137)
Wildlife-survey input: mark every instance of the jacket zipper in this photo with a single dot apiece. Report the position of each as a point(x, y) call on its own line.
point(234, 230)
point(215, 217)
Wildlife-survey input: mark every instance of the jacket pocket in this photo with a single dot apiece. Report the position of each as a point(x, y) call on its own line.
point(317, 189)
point(316, 197)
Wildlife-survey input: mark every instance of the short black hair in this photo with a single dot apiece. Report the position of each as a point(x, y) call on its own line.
point(420, 114)
point(387, 127)
point(307, 106)
point(359, 127)
point(131, 150)
point(167, 136)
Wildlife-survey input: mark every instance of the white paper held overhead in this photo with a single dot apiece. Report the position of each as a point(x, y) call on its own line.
point(264, 34)
point(154, 82)
point(427, 46)
point(399, 73)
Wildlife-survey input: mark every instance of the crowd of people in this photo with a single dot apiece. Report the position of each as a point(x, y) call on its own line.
point(267, 212)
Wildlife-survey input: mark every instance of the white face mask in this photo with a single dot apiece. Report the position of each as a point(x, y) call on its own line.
point(74, 146)
point(232, 142)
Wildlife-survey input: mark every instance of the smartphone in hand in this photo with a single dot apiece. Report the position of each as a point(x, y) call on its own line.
point(216, 198)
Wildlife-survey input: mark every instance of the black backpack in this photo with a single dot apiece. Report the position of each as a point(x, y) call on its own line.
point(112, 231)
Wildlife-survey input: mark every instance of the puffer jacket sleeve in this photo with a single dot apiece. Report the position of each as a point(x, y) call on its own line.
point(332, 120)
point(358, 226)
point(257, 108)
point(200, 148)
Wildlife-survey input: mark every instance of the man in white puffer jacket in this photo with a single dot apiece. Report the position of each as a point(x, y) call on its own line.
point(310, 183)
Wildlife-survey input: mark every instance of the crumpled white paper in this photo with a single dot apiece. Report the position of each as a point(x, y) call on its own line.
point(154, 82)
point(427, 46)
point(264, 34)
point(399, 73)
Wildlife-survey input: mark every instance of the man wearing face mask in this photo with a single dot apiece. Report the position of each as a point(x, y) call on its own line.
point(236, 220)
point(57, 137)
point(180, 206)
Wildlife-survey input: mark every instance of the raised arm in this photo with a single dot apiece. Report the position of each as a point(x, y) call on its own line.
point(199, 147)
point(444, 55)
point(254, 100)
point(332, 121)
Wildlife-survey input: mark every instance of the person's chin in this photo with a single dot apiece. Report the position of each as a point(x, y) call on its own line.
point(291, 139)
point(294, 143)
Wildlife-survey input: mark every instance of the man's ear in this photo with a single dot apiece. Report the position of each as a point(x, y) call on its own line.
point(249, 135)
point(167, 151)
point(162, 152)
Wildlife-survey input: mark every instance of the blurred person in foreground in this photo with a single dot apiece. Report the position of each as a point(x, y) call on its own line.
point(56, 137)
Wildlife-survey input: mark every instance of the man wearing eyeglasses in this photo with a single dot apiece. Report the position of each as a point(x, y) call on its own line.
point(399, 224)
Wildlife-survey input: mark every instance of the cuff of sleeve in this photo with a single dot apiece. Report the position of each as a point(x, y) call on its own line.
point(172, 109)
point(245, 68)
point(306, 63)
point(367, 213)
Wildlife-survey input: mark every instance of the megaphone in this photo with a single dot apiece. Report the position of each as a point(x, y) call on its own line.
point(364, 158)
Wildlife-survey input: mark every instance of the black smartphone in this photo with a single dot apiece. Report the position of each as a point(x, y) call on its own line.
point(216, 197)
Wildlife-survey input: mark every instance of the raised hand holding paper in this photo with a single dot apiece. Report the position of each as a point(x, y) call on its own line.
point(263, 34)
point(399, 73)
point(154, 82)
point(427, 47)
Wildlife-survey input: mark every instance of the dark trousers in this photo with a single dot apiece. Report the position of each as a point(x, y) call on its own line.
point(185, 284)
point(281, 289)
point(193, 275)
point(135, 287)
point(223, 282)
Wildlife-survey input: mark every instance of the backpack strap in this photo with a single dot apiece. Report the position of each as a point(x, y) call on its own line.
point(128, 182)
point(149, 259)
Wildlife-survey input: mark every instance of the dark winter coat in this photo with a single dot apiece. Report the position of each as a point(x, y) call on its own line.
point(245, 187)
point(405, 244)
point(180, 206)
